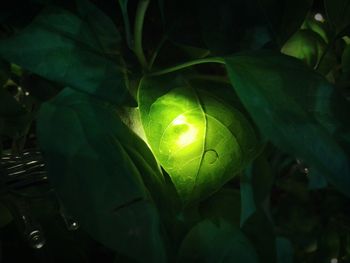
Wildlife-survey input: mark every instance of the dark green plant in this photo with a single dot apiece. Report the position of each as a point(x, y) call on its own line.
point(187, 131)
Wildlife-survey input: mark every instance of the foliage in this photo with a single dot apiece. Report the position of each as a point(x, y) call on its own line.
point(182, 131)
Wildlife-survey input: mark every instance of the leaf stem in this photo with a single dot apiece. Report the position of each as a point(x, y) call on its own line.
point(138, 27)
point(124, 7)
point(157, 50)
point(188, 64)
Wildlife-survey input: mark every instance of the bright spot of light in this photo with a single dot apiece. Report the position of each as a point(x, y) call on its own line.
point(179, 120)
point(26, 93)
point(319, 17)
point(189, 135)
point(334, 260)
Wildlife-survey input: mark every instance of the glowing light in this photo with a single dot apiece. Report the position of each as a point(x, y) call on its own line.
point(334, 260)
point(179, 120)
point(319, 17)
point(187, 134)
point(188, 137)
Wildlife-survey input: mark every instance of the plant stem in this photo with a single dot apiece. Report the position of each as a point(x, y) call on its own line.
point(156, 52)
point(188, 64)
point(124, 7)
point(140, 16)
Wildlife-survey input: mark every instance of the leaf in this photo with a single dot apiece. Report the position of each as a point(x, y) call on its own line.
point(93, 168)
point(198, 138)
point(296, 109)
point(222, 242)
point(319, 27)
point(230, 26)
point(77, 51)
point(305, 45)
point(338, 13)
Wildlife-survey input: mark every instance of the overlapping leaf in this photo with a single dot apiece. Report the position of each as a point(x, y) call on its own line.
point(296, 109)
point(78, 50)
point(98, 168)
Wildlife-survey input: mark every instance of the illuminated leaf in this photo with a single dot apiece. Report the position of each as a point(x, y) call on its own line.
point(198, 138)
point(305, 45)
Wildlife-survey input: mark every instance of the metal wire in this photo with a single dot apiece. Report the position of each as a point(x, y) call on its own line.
point(24, 170)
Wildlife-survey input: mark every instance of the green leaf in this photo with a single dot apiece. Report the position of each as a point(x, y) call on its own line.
point(296, 109)
point(319, 27)
point(95, 166)
point(77, 51)
point(222, 242)
point(338, 13)
point(229, 26)
point(198, 138)
point(305, 45)
point(309, 47)
point(101, 27)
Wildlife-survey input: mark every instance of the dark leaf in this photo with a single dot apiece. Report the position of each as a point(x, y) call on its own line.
point(78, 51)
point(89, 153)
point(296, 109)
